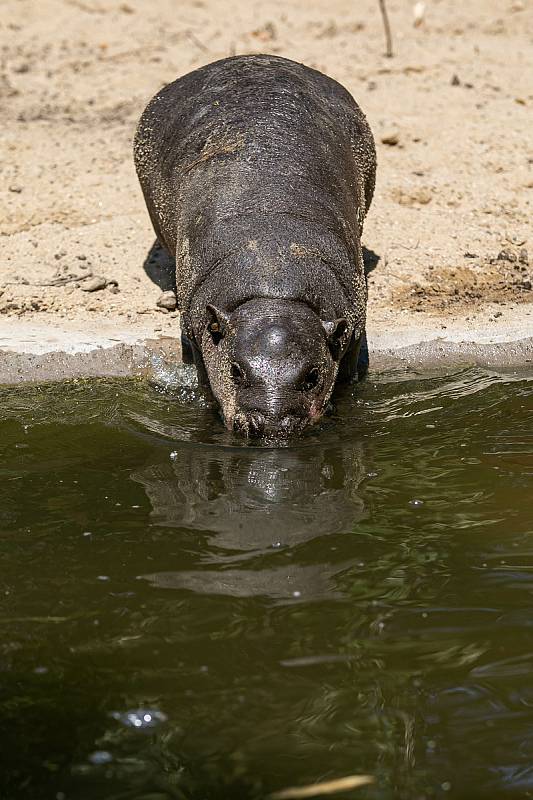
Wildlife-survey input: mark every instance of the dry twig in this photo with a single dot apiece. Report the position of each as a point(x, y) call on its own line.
point(386, 25)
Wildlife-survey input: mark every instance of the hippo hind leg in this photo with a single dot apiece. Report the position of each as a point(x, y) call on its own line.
point(160, 267)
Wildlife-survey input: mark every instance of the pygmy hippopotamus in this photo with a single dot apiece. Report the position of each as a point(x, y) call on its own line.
point(257, 173)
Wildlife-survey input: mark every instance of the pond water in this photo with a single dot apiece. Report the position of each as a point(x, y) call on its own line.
point(186, 616)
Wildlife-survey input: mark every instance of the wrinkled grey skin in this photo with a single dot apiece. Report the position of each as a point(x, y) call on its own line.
point(257, 174)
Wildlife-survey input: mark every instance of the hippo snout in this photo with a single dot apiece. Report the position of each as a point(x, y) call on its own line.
point(256, 425)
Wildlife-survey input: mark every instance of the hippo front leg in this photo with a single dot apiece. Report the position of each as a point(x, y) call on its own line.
point(354, 363)
point(192, 355)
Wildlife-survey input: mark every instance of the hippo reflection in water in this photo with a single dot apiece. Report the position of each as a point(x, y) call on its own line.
point(250, 502)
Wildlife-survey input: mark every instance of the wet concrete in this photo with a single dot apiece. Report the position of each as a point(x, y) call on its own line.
point(31, 352)
point(45, 352)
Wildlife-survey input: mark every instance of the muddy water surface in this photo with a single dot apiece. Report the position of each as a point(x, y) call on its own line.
point(186, 616)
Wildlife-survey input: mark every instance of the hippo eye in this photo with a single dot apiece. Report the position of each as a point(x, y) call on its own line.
point(237, 373)
point(311, 379)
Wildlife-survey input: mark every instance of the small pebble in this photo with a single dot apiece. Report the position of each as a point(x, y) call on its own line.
point(390, 137)
point(104, 578)
point(94, 284)
point(16, 189)
point(167, 300)
point(419, 10)
point(506, 255)
point(173, 456)
point(416, 503)
point(296, 594)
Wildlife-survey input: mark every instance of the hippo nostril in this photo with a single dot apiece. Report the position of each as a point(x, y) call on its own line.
point(256, 424)
point(239, 425)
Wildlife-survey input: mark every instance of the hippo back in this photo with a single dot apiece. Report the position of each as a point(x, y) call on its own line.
point(257, 173)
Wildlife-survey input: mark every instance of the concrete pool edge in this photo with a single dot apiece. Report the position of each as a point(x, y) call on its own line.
point(35, 352)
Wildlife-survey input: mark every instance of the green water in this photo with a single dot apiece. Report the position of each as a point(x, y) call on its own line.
point(186, 616)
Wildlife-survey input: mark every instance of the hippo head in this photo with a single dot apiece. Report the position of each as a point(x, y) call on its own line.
point(272, 364)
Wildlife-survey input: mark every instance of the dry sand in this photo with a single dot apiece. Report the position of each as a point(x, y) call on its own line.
point(451, 114)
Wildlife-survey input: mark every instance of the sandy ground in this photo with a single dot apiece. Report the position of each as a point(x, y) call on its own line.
point(451, 114)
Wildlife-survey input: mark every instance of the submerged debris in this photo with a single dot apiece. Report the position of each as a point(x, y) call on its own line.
point(323, 788)
point(140, 717)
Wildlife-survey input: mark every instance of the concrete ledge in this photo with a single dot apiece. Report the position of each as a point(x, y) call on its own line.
point(48, 352)
point(35, 352)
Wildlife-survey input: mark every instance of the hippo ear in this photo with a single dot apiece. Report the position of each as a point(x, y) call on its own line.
point(217, 322)
point(336, 333)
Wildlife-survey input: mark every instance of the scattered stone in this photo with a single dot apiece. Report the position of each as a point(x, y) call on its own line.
point(391, 136)
point(267, 33)
point(94, 284)
point(15, 188)
point(419, 10)
point(526, 284)
point(167, 300)
point(412, 197)
point(523, 256)
point(506, 255)
point(455, 81)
